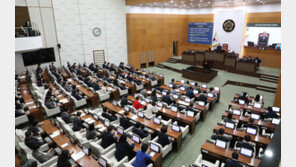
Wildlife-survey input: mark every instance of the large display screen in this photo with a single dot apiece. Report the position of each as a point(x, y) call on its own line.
point(38, 56)
point(201, 33)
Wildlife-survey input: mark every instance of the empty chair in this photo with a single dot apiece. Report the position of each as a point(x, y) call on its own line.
point(48, 163)
point(103, 94)
point(139, 87)
point(167, 123)
point(200, 162)
point(50, 112)
point(122, 92)
point(184, 130)
point(98, 150)
point(79, 103)
point(165, 150)
point(110, 157)
point(21, 120)
point(97, 111)
point(154, 83)
point(130, 163)
point(82, 139)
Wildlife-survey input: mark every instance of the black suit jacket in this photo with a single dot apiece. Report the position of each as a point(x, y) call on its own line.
point(77, 124)
point(167, 99)
point(232, 163)
point(203, 98)
point(124, 122)
point(163, 139)
point(32, 143)
point(77, 96)
point(271, 114)
point(96, 86)
point(245, 145)
point(123, 102)
point(123, 149)
point(141, 133)
point(108, 139)
point(222, 138)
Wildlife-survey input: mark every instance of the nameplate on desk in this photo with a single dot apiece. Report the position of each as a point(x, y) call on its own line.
point(64, 101)
point(64, 145)
point(21, 77)
point(32, 107)
point(59, 95)
point(205, 151)
point(82, 114)
point(91, 121)
point(121, 112)
point(29, 103)
point(134, 117)
point(149, 92)
point(77, 155)
point(152, 154)
point(78, 86)
point(55, 134)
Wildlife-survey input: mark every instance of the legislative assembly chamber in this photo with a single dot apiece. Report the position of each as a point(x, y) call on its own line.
point(171, 83)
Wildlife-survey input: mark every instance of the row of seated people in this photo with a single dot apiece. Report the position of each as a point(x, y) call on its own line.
point(250, 60)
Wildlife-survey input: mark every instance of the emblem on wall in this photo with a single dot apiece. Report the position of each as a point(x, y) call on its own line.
point(228, 25)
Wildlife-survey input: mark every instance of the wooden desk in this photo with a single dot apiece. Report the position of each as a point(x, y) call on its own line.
point(249, 98)
point(251, 108)
point(94, 98)
point(260, 122)
point(60, 96)
point(85, 161)
point(241, 134)
point(64, 73)
point(35, 111)
point(23, 78)
point(148, 123)
point(159, 78)
point(209, 149)
point(247, 67)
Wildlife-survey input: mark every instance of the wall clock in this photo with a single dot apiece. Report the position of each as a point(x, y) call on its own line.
point(228, 25)
point(97, 31)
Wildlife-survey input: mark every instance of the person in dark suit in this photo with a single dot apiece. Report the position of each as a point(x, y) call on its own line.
point(229, 118)
point(167, 99)
point(203, 97)
point(244, 97)
point(49, 104)
point(189, 93)
point(124, 121)
point(139, 130)
point(190, 108)
point(91, 132)
point(233, 162)
point(42, 156)
point(76, 95)
point(221, 136)
point(250, 124)
point(124, 101)
point(31, 141)
point(66, 117)
point(109, 116)
point(77, 122)
point(96, 86)
point(30, 163)
point(123, 149)
point(270, 113)
point(33, 128)
point(63, 159)
point(153, 96)
point(107, 138)
point(163, 139)
point(142, 157)
point(246, 143)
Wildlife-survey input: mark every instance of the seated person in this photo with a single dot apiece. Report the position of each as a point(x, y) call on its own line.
point(31, 141)
point(203, 97)
point(123, 149)
point(191, 108)
point(235, 106)
point(250, 124)
point(189, 93)
point(42, 156)
point(18, 105)
point(149, 110)
point(49, 103)
point(246, 143)
point(270, 113)
point(124, 101)
point(33, 128)
point(66, 117)
point(95, 86)
point(124, 121)
point(167, 99)
point(137, 104)
point(221, 136)
point(244, 97)
point(172, 82)
point(163, 139)
point(108, 138)
point(144, 93)
point(186, 85)
point(108, 116)
point(76, 95)
point(233, 162)
point(91, 133)
point(142, 157)
point(152, 77)
point(63, 159)
point(139, 130)
point(153, 96)
point(196, 87)
point(30, 163)
point(77, 122)
point(229, 119)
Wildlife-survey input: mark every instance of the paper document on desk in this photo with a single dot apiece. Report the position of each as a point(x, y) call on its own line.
point(82, 114)
point(78, 86)
point(91, 121)
point(88, 119)
point(121, 112)
point(70, 79)
point(103, 128)
point(59, 95)
point(134, 117)
point(21, 77)
point(64, 145)
point(64, 101)
point(30, 103)
point(152, 154)
point(77, 155)
point(30, 108)
point(99, 126)
point(55, 134)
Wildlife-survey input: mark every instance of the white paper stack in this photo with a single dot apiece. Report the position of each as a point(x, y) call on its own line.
point(77, 155)
point(64, 145)
point(152, 154)
point(134, 117)
point(55, 134)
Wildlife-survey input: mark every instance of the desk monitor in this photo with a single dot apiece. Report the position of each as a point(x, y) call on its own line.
point(195, 92)
point(126, 108)
point(120, 130)
point(174, 108)
point(164, 93)
point(176, 128)
point(221, 143)
point(251, 131)
point(114, 103)
point(107, 122)
point(159, 104)
point(182, 88)
point(255, 116)
point(190, 113)
point(201, 103)
point(236, 112)
point(96, 117)
point(192, 83)
point(187, 99)
point(136, 138)
point(257, 105)
point(241, 102)
point(154, 147)
point(175, 96)
point(85, 150)
point(229, 125)
point(170, 85)
point(250, 43)
point(156, 120)
point(182, 81)
point(210, 95)
point(216, 88)
point(204, 86)
point(246, 152)
point(275, 121)
point(141, 114)
point(102, 161)
point(276, 109)
point(147, 100)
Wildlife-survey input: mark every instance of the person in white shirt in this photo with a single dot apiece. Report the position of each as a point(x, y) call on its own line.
point(150, 110)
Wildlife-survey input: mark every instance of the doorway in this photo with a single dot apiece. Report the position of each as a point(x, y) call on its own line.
point(175, 48)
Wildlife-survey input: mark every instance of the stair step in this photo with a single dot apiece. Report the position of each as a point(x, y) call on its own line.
point(266, 89)
point(269, 80)
point(269, 77)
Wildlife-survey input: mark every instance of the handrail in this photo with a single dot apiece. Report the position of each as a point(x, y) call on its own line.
point(26, 32)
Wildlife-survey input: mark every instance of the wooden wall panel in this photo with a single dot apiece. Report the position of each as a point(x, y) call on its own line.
point(277, 100)
point(271, 58)
point(21, 15)
point(157, 32)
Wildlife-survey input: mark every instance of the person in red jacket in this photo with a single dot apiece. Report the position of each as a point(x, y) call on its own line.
point(137, 104)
